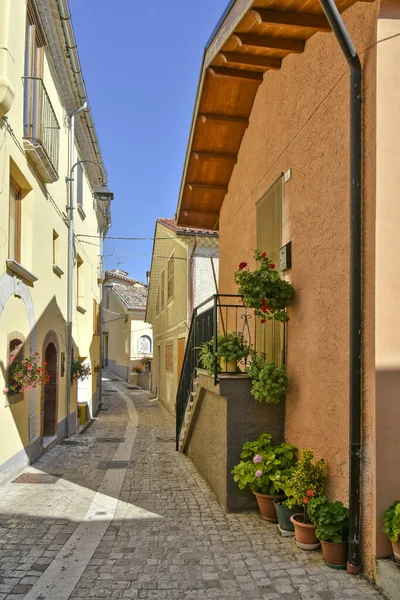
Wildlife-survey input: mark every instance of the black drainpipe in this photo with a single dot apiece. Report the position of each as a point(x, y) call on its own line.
point(346, 44)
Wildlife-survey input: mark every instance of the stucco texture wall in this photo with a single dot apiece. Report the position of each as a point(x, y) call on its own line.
point(300, 121)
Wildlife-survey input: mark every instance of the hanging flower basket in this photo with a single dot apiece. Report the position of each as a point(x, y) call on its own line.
point(26, 373)
point(264, 290)
point(80, 371)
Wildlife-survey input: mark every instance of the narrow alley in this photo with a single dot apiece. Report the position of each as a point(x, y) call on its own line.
point(115, 512)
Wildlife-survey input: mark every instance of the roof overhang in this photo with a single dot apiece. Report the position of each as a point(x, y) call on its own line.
point(253, 37)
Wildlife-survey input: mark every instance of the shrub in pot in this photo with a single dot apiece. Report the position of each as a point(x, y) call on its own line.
point(306, 482)
point(265, 469)
point(231, 348)
point(269, 381)
point(332, 521)
point(263, 289)
point(391, 526)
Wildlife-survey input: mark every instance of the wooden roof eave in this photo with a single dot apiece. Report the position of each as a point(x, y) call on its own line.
point(248, 42)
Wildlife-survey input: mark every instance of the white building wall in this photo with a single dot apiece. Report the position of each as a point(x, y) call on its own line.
point(203, 284)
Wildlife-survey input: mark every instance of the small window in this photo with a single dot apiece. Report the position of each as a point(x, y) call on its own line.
point(158, 302)
point(170, 278)
point(14, 225)
point(162, 288)
point(80, 288)
point(169, 357)
point(55, 247)
point(79, 186)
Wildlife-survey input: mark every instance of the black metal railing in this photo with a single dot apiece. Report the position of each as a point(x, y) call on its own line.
point(40, 121)
point(222, 314)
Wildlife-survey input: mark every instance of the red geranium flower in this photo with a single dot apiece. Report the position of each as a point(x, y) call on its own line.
point(262, 320)
point(242, 265)
point(310, 493)
point(264, 308)
point(264, 254)
point(271, 266)
point(305, 500)
point(263, 301)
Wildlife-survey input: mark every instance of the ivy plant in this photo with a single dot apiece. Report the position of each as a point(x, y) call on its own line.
point(391, 522)
point(269, 381)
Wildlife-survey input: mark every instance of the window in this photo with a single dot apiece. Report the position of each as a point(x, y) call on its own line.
point(162, 289)
point(169, 357)
point(14, 226)
point(55, 247)
point(80, 289)
point(34, 43)
point(96, 318)
point(269, 215)
point(170, 278)
point(158, 302)
point(79, 186)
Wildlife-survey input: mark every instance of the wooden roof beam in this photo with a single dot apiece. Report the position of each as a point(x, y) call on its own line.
point(199, 213)
point(222, 119)
point(252, 60)
point(261, 41)
point(294, 19)
point(214, 156)
point(252, 76)
point(207, 187)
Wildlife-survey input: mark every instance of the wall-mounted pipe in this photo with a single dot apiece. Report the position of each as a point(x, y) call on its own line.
point(355, 434)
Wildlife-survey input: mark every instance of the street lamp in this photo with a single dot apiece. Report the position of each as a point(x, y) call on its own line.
point(102, 194)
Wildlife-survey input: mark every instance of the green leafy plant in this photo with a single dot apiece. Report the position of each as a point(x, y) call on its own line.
point(265, 467)
point(264, 290)
point(230, 346)
point(307, 481)
point(331, 519)
point(79, 370)
point(269, 381)
point(391, 521)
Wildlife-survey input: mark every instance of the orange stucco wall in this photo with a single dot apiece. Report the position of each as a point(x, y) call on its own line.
point(300, 120)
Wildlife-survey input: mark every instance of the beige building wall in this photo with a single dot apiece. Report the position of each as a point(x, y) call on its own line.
point(300, 121)
point(116, 326)
point(37, 310)
point(387, 274)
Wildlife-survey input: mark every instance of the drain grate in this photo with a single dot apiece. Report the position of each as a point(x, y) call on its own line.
point(48, 478)
point(110, 440)
point(117, 464)
point(165, 438)
point(73, 443)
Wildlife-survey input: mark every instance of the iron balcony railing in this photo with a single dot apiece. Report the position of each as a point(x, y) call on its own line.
point(40, 122)
point(220, 314)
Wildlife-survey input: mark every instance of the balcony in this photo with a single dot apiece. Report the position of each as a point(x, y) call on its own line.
point(41, 129)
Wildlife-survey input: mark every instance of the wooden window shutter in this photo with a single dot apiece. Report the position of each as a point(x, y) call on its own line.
point(269, 217)
point(170, 278)
point(162, 290)
point(169, 357)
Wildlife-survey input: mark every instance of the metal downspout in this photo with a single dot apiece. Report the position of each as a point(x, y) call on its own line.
point(346, 44)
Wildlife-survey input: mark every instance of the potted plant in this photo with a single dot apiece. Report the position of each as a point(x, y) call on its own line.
point(231, 347)
point(306, 482)
point(264, 290)
point(25, 373)
point(332, 521)
point(265, 469)
point(80, 371)
point(391, 526)
point(269, 381)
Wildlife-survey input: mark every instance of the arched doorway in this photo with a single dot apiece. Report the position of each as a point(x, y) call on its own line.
point(49, 414)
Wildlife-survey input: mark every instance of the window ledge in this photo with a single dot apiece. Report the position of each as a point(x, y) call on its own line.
point(19, 270)
point(80, 309)
point(81, 212)
point(57, 270)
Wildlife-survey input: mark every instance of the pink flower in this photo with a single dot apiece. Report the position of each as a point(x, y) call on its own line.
point(5, 390)
point(259, 473)
point(257, 458)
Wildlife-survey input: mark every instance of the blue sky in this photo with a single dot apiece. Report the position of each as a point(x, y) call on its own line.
point(141, 63)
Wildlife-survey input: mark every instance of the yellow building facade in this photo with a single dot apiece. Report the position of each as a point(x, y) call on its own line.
point(40, 87)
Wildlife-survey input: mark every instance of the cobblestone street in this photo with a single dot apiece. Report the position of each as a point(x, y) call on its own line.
point(150, 528)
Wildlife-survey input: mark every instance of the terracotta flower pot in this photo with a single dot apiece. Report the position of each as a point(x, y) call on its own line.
point(304, 535)
point(228, 366)
point(267, 506)
point(335, 554)
point(396, 551)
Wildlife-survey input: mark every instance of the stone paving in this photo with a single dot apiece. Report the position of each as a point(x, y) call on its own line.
point(167, 536)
